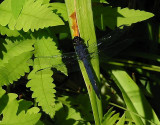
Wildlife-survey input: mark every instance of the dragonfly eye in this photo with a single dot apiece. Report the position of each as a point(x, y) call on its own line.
point(77, 40)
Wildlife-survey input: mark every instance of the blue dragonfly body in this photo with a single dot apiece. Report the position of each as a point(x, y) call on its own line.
point(82, 54)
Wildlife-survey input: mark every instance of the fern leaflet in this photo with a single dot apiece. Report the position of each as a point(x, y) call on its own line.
point(34, 15)
point(41, 81)
point(13, 63)
point(10, 116)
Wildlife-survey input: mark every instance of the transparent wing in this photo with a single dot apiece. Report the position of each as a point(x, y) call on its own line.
point(63, 56)
point(65, 63)
point(112, 44)
point(108, 46)
point(112, 50)
point(110, 40)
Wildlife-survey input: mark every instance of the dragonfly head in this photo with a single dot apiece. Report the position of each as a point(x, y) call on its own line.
point(77, 40)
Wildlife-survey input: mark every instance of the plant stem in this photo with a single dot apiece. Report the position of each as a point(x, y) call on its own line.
point(84, 16)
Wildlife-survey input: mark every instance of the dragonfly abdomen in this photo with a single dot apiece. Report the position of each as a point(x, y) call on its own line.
point(91, 76)
point(81, 50)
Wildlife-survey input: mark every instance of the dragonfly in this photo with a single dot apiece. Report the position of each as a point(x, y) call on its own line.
point(112, 41)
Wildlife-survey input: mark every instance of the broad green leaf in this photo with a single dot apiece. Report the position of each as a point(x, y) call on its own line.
point(68, 116)
point(16, 6)
point(34, 15)
point(10, 116)
point(81, 101)
point(60, 9)
point(134, 99)
point(5, 31)
point(43, 90)
point(45, 1)
point(115, 17)
point(87, 33)
point(130, 63)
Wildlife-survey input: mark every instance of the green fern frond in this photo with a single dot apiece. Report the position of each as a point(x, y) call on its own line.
point(5, 31)
point(34, 15)
point(117, 16)
point(47, 56)
point(46, 1)
point(15, 68)
point(60, 9)
point(43, 90)
point(16, 6)
point(10, 116)
point(14, 57)
point(24, 105)
point(14, 47)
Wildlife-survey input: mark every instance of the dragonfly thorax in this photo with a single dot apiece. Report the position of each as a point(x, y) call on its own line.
point(77, 41)
point(80, 48)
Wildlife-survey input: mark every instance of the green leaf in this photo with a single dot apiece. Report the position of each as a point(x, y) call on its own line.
point(44, 90)
point(47, 56)
point(3, 100)
point(10, 116)
point(11, 106)
point(60, 9)
point(108, 114)
point(24, 105)
point(122, 120)
point(110, 118)
point(45, 1)
point(130, 123)
point(34, 16)
point(81, 101)
point(68, 116)
point(115, 17)
point(100, 1)
point(14, 47)
point(15, 55)
point(16, 6)
point(2, 92)
point(5, 31)
point(15, 68)
point(87, 33)
point(134, 99)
